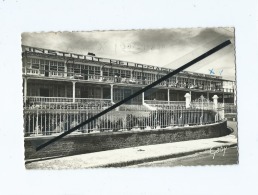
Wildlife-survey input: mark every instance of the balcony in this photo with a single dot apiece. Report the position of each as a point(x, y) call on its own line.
point(118, 79)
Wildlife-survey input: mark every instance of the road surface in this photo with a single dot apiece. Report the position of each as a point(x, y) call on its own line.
point(203, 158)
point(221, 156)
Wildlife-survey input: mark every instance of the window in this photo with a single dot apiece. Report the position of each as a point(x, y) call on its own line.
point(29, 62)
point(53, 65)
point(91, 70)
point(60, 67)
point(128, 74)
point(105, 71)
point(35, 63)
point(77, 69)
point(97, 70)
point(123, 75)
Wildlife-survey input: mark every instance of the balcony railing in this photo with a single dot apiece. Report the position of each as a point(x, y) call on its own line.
point(118, 79)
point(37, 99)
point(58, 103)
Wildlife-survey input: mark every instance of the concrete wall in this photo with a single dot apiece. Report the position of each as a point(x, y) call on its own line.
point(86, 143)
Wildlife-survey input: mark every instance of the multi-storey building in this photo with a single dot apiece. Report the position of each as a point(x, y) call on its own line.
point(55, 76)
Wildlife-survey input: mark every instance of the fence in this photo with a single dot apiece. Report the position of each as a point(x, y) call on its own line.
point(47, 122)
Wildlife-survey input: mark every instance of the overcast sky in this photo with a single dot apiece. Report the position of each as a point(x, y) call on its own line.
point(161, 47)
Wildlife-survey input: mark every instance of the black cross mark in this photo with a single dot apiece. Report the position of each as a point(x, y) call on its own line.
point(183, 67)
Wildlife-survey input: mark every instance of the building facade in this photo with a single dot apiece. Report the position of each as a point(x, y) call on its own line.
point(54, 76)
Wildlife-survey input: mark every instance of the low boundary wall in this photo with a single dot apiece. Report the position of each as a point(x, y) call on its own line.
point(86, 143)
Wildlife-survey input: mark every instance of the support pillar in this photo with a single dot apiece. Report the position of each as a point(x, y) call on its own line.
point(208, 96)
point(65, 69)
point(74, 91)
point(187, 100)
point(101, 74)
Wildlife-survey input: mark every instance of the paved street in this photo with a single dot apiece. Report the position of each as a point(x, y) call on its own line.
point(222, 156)
point(202, 158)
point(193, 152)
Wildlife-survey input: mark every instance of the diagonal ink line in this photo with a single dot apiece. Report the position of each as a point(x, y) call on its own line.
point(201, 57)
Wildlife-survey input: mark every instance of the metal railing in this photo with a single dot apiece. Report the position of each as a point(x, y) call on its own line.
point(118, 79)
point(157, 102)
point(38, 99)
point(40, 122)
point(66, 103)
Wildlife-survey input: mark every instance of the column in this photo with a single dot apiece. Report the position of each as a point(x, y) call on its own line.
point(208, 96)
point(25, 90)
point(168, 96)
point(111, 93)
point(65, 69)
point(74, 91)
point(101, 74)
point(187, 100)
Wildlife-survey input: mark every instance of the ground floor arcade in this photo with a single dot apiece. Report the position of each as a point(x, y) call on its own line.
point(113, 92)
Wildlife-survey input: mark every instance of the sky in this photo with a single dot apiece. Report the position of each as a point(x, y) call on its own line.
point(168, 48)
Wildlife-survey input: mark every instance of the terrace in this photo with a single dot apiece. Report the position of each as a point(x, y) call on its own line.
point(175, 83)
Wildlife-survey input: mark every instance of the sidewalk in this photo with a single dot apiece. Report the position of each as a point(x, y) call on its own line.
point(134, 155)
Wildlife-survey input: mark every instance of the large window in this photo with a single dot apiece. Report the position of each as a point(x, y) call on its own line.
point(77, 69)
point(35, 63)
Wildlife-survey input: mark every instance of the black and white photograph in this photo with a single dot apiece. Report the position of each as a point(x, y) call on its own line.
point(129, 98)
